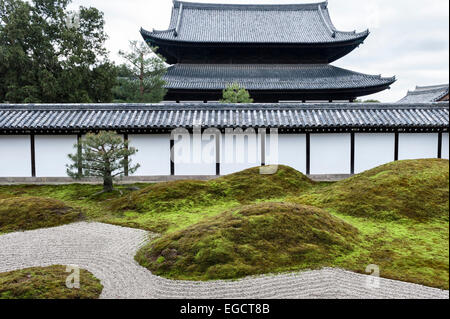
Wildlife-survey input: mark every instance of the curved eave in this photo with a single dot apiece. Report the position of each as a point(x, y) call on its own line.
point(383, 84)
point(156, 38)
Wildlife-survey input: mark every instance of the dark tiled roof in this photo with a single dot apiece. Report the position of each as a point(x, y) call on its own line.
point(165, 116)
point(234, 23)
point(423, 94)
point(269, 77)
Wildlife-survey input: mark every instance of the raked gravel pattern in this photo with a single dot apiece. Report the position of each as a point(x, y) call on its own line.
point(108, 252)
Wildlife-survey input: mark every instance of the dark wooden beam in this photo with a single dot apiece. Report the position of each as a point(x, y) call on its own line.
point(263, 134)
point(396, 146)
point(125, 138)
point(33, 155)
point(244, 53)
point(440, 145)
point(79, 154)
point(308, 154)
point(172, 156)
point(352, 153)
point(218, 152)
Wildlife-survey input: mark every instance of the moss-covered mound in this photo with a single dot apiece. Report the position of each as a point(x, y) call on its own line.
point(254, 239)
point(27, 213)
point(47, 283)
point(417, 189)
point(244, 187)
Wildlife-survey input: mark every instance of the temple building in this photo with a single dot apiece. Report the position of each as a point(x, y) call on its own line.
point(277, 52)
point(422, 94)
point(280, 53)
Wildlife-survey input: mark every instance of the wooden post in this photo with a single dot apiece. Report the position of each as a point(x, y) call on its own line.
point(172, 156)
point(440, 145)
point(308, 154)
point(396, 146)
point(352, 153)
point(125, 169)
point(218, 154)
point(33, 156)
point(79, 154)
point(263, 135)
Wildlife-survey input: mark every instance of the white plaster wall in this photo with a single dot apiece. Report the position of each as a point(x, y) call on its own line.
point(195, 155)
point(239, 152)
point(15, 156)
point(51, 154)
point(373, 149)
point(153, 154)
point(291, 151)
point(330, 153)
point(445, 145)
point(417, 145)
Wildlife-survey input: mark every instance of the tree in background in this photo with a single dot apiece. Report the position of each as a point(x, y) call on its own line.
point(235, 94)
point(104, 155)
point(141, 78)
point(46, 56)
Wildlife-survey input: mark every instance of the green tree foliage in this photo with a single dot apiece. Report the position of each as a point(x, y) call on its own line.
point(235, 94)
point(45, 56)
point(140, 79)
point(104, 155)
point(366, 101)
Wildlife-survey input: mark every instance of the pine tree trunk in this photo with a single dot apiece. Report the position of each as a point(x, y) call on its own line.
point(108, 184)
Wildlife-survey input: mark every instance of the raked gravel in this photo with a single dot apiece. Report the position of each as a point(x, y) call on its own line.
point(108, 252)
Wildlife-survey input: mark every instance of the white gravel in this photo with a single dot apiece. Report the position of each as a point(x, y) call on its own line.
point(108, 252)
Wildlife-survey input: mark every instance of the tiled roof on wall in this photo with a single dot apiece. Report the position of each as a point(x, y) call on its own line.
point(168, 116)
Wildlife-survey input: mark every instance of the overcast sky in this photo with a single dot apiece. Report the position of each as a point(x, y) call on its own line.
point(409, 38)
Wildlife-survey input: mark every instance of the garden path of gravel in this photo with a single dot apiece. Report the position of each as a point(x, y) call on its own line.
point(108, 252)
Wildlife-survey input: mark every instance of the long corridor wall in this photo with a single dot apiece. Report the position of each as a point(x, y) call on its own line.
point(310, 153)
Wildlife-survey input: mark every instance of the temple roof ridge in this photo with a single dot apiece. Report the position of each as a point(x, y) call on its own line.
point(252, 23)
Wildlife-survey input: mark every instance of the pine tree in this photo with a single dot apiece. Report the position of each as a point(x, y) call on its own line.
point(146, 69)
point(104, 155)
point(235, 94)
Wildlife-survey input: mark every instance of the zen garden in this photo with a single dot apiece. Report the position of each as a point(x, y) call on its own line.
point(213, 163)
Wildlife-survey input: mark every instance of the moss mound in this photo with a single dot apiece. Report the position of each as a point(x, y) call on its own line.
point(47, 283)
point(254, 239)
point(417, 189)
point(243, 187)
point(27, 213)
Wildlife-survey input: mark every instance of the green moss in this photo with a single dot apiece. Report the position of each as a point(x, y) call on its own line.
point(417, 189)
point(404, 250)
point(47, 283)
point(26, 213)
point(400, 211)
point(242, 187)
point(253, 239)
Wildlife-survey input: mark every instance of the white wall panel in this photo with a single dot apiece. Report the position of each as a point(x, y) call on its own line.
point(291, 151)
point(15, 156)
point(445, 145)
point(51, 154)
point(417, 145)
point(195, 154)
point(373, 149)
point(153, 154)
point(239, 152)
point(330, 153)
